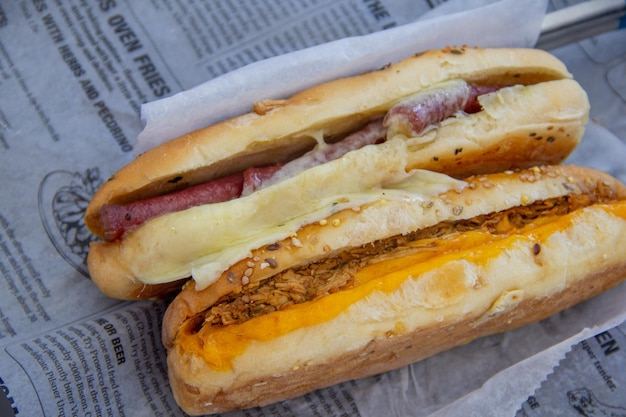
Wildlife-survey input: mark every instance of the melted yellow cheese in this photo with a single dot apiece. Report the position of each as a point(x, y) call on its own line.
point(220, 346)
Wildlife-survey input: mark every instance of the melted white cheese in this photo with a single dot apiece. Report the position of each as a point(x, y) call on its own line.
point(204, 241)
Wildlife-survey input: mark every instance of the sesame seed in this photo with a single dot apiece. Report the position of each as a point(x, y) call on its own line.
point(569, 187)
point(323, 222)
point(248, 272)
point(231, 276)
point(271, 262)
point(245, 281)
point(336, 222)
point(296, 242)
point(273, 246)
point(250, 264)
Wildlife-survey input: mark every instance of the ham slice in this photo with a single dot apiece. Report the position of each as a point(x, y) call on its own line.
point(372, 133)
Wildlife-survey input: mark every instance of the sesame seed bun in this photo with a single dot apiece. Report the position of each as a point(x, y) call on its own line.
point(520, 126)
point(465, 286)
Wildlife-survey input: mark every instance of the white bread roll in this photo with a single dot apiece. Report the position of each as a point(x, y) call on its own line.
point(447, 292)
point(519, 126)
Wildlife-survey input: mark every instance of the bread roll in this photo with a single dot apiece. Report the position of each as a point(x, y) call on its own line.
point(538, 120)
point(509, 249)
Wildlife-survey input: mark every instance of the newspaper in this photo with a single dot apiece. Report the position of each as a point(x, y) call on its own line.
point(601, 358)
point(81, 80)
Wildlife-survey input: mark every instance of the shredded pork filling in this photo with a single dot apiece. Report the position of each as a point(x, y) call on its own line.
point(333, 274)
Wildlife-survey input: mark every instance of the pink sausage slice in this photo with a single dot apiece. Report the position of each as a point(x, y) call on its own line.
point(410, 117)
point(118, 219)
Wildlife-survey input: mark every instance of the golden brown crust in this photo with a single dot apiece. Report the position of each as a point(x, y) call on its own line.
point(234, 144)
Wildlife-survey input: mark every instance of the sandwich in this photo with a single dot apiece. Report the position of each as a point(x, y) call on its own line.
point(362, 224)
